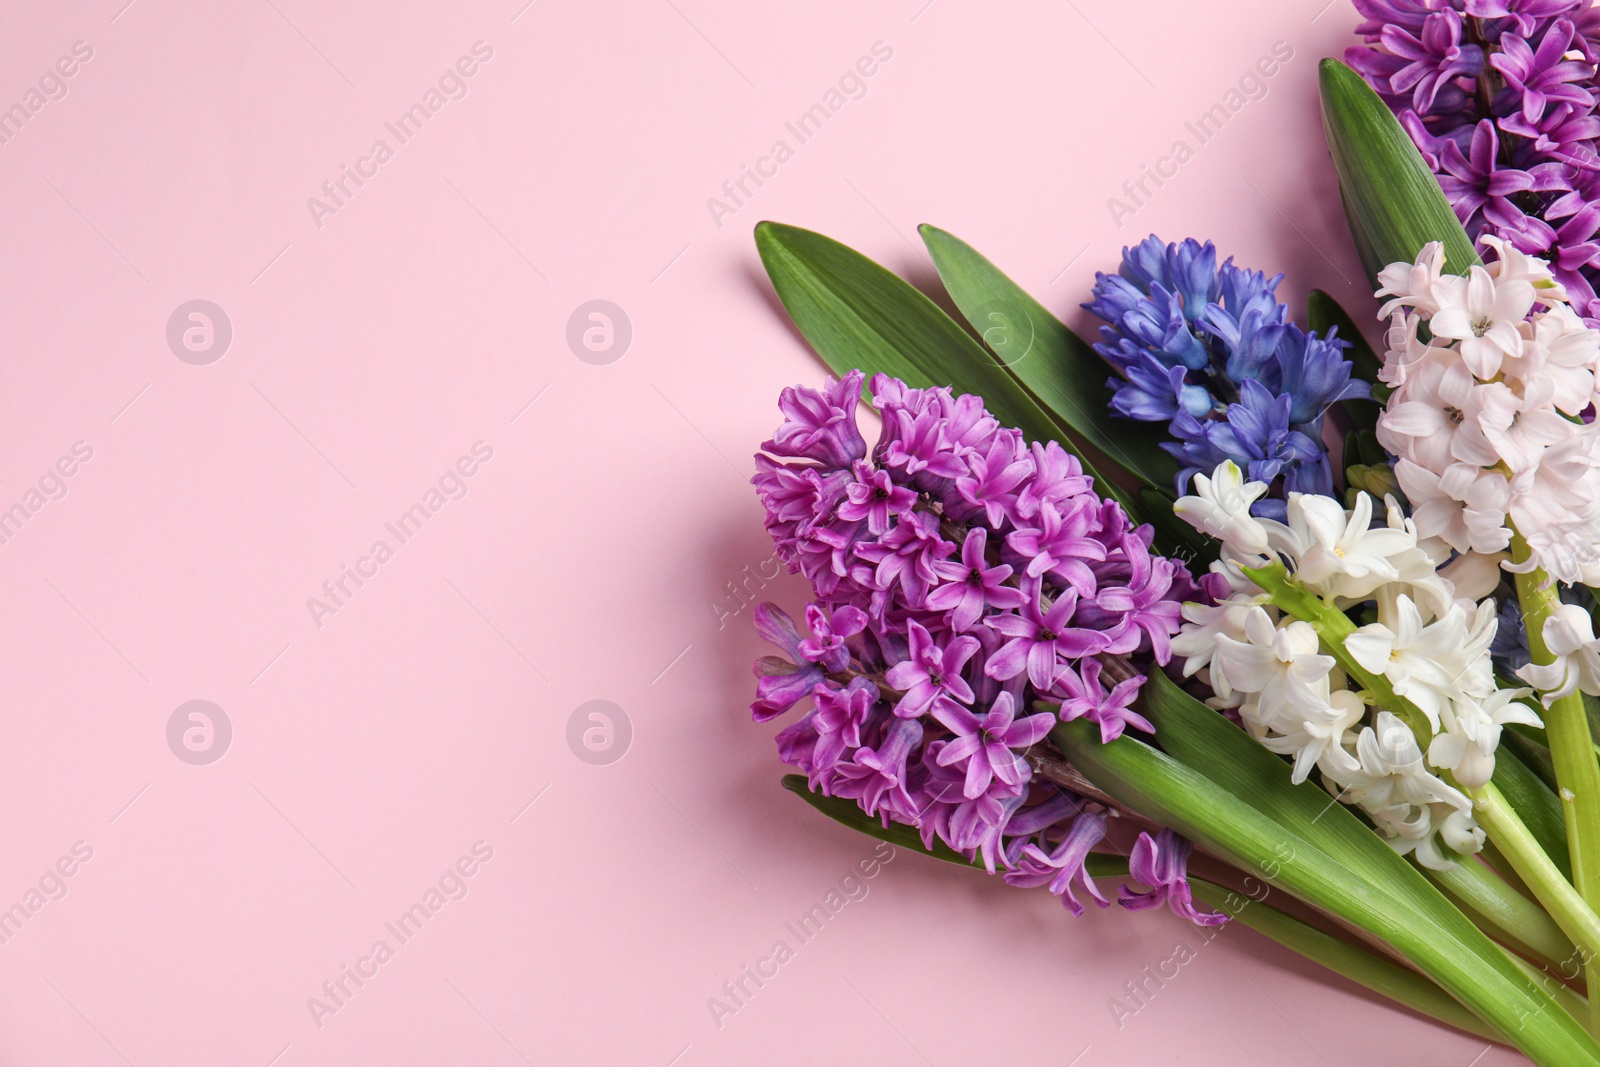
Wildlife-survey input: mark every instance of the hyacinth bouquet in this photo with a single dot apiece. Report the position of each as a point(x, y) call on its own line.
point(1231, 592)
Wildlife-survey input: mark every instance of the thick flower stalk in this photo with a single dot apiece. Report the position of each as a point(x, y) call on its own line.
point(972, 590)
point(1500, 98)
point(1401, 716)
point(1210, 350)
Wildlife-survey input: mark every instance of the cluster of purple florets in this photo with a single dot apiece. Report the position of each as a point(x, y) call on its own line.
point(968, 585)
point(1500, 97)
point(1208, 349)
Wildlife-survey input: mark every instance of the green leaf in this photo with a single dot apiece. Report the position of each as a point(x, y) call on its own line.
point(1067, 376)
point(856, 314)
point(1361, 446)
point(1534, 802)
point(1391, 199)
point(1323, 314)
point(1504, 913)
point(1198, 736)
point(1365, 968)
point(1530, 744)
point(848, 812)
point(1398, 906)
point(1173, 536)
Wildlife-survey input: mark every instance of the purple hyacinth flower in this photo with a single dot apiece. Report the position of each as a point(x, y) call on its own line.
point(1064, 865)
point(1162, 863)
point(877, 772)
point(1257, 435)
point(797, 746)
point(1058, 477)
point(826, 645)
point(1061, 544)
point(821, 424)
point(972, 586)
point(1543, 77)
point(977, 826)
point(914, 439)
point(1187, 270)
point(1040, 638)
point(1408, 14)
point(1526, 14)
point(932, 675)
point(1564, 133)
point(1084, 697)
point(1146, 610)
point(1187, 363)
point(1252, 340)
point(995, 475)
point(984, 743)
point(905, 556)
point(875, 497)
point(1575, 247)
point(1425, 62)
point(839, 717)
point(1154, 392)
point(1476, 182)
point(780, 684)
point(1315, 373)
point(957, 641)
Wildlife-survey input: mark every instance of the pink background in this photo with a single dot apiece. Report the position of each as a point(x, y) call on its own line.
point(591, 557)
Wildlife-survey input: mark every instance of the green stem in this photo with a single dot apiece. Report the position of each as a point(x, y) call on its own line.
point(1566, 725)
point(1564, 903)
point(1333, 626)
point(1519, 921)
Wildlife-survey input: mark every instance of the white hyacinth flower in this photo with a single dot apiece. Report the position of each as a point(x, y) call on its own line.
point(1283, 664)
point(1569, 635)
point(1339, 553)
point(1414, 285)
point(1424, 662)
point(1220, 507)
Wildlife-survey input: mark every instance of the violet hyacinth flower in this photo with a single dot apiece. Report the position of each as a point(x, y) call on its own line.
point(1210, 350)
point(972, 585)
point(1063, 865)
point(1040, 638)
point(1161, 862)
point(930, 675)
point(1511, 132)
point(984, 743)
point(967, 585)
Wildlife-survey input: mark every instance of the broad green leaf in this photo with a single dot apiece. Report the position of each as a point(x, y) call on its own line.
point(1503, 912)
point(1361, 446)
point(1417, 921)
point(848, 812)
point(856, 314)
point(1323, 314)
point(1391, 199)
point(1530, 744)
point(1198, 736)
point(1351, 961)
point(1173, 536)
point(1067, 376)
